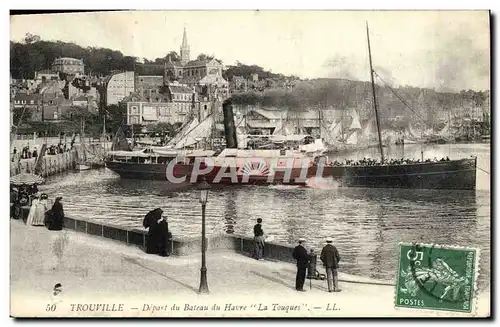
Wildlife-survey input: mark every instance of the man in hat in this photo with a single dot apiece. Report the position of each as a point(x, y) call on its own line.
point(300, 254)
point(259, 240)
point(330, 257)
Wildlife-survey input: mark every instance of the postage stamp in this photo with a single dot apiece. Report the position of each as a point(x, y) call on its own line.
point(437, 277)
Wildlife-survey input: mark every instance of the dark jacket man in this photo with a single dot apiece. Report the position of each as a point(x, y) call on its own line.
point(330, 256)
point(300, 254)
point(259, 240)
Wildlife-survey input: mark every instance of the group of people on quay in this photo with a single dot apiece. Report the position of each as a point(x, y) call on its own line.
point(41, 212)
point(378, 162)
point(306, 261)
point(27, 153)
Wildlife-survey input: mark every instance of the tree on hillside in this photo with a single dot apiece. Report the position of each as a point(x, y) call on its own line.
point(172, 56)
point(203, 56)
point(247, 71)
point(129, 63)
point(30, 38)
point(159, 61)
point(34, 54)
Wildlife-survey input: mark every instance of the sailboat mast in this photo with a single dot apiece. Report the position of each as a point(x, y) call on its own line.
point(342, 125)
point(374, 96)
point(104, 138)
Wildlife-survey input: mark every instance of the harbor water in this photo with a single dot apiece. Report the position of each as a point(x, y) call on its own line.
point(366, 224)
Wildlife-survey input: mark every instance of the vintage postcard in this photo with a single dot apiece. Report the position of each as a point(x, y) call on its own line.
point(250, 164)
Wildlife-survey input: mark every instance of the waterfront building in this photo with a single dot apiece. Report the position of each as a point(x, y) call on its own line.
point(118, 86)
point(175, 105)
point(70, 66)
point(150, 113)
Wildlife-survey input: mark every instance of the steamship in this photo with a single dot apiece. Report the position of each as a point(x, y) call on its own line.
point(296, 167)
point(293, 167)
point(235, 166)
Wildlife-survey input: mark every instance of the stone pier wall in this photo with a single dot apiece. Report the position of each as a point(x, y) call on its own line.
point(179, 245)
point(51, 164)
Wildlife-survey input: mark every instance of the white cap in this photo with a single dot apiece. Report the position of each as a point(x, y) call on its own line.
point(302, 239)
point(329, 240)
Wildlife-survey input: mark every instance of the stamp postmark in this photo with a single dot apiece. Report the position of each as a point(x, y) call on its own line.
point(436, 277)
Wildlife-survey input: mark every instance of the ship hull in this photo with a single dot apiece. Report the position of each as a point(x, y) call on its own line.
point(88, 166)
point(131, 170)
point(454, 174)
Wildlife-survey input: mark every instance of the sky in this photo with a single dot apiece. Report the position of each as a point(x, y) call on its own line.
point(445, 50)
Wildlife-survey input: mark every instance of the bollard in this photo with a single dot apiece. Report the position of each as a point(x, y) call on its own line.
point(311, 269)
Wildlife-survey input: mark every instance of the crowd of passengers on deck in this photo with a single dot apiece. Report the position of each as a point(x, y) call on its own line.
point(378, 162)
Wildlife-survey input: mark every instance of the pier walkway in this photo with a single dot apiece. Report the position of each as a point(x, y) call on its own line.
point(94, 270)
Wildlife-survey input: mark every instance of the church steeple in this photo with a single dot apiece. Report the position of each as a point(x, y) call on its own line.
point(184, 48)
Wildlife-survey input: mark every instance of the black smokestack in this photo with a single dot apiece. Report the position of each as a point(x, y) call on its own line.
point(229, 128)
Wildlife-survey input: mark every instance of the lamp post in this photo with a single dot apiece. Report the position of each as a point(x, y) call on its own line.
point(204, 188)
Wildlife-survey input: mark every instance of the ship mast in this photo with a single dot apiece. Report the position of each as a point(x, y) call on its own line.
point(374, 96)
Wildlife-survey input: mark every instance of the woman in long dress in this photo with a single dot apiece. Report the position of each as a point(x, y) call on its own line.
point(157, 236)
point(40, 210)
point(34, 204)
point(56, 215)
